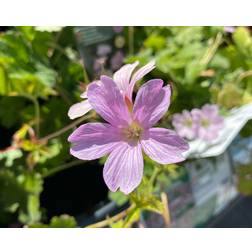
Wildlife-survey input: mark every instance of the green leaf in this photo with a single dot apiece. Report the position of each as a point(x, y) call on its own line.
point(193, 70)
point(62, 221)
point(155, 42)
point(65, 221)
point(243, 40)
point(117, 224)
point(33, 205)
point(27, 73)
point(11, 193)
point(144, 198)
point(28, 32)
point(10, 155)
point(219, 62)
point(21, 194)
point(230, 90)
point(118, 197)
point(8, 115)
point(3, 82)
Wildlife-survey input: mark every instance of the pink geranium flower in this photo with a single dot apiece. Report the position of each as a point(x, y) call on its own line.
point(124, 79)
point(129, 129)
point(209, 121)
point(229, 29)
point(184, 125)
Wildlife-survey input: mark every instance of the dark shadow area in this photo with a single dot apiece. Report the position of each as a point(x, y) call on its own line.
point(6, 135)
point(74, 191)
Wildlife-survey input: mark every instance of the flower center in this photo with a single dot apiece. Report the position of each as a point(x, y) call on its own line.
point(205, 123)
point(133, 132)
point(188, 123)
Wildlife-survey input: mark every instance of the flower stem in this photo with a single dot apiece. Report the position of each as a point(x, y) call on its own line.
point(244, 75)
point(57, 169)
point(66, 128)
point(166, 212)
point(110, 220)
point(154, 175)
point(36, 111)
point(131, 39)
point(212, 50)
point(85, 75)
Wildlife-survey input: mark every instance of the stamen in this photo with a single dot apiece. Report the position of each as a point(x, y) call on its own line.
point(133, 132)
point(205, 123)
point(188, 123)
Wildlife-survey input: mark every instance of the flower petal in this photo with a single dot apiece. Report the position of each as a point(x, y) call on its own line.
point(208, 134)
point(124, 168)
point(107, 100)
point(84, 95)
point(210, 110)
point(123, 75)
point(184, 125)
point(163, 146)
point(93, 140)
point(151, 103)
point(79, 109)
point(162, 108)
point(139, 74)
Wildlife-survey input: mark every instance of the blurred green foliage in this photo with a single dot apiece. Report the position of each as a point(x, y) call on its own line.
point(38, 67)
point(203, 64)
point(62, 221)
point(245, 179)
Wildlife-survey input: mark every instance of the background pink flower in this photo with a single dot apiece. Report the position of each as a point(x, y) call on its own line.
point(117, 60)
point(185, 125)
point(208, 120)
point(128, 131)
point(118, 29)
point(229, 29)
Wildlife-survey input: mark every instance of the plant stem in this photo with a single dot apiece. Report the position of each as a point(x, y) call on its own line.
point(85, 75)
point(57, 169)
point(66, 128)
point(244, 75)
point(63, 94)
point(212, 50)
point(10, 148)
point(154, 175)
point(166, 212)
point(116, 217)
point(131, 39)
point(37, 111)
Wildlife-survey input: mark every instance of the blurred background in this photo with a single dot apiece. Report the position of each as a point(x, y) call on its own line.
point(43, 71)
